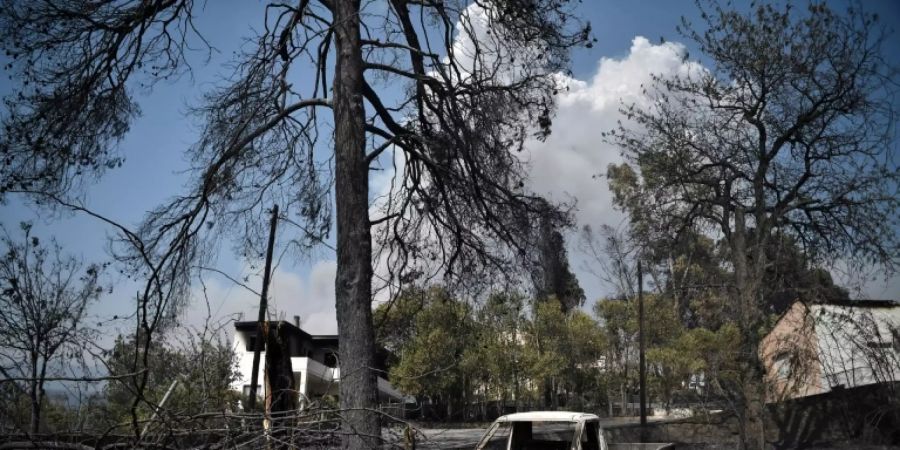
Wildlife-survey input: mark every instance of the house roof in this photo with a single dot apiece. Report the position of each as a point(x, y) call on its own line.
point(885, 314)
point(287, 328)
point(861, 303)
point(325, 340)
point(324, 337)
point(548, 416)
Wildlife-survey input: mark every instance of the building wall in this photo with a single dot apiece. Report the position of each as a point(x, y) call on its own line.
point(245, 363)
point(837, 419)
point(857, 346)
point(789, 354)
point(309, 363)
point(817, 348)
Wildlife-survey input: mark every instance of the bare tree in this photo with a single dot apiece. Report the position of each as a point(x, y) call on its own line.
point(790, 132)
point(611, 257)
point(44, 295)
point(444, 91)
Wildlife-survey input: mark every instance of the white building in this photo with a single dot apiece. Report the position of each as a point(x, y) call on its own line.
point(313, 361)
point(817, 347)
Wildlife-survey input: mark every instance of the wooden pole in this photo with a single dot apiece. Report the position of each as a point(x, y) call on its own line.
point(158, 407)
point(641, 337)
point(260, 322)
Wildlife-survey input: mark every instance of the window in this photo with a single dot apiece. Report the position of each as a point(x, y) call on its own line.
point(590, 437)
point(251, 343)
point(782, 367)
point(246, 390)
point(895, 334)
point(555, 432)
point(496, 438)
point(878, 344)
point(542, 435)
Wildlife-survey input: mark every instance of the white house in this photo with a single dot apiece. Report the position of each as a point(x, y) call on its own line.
point(313, 361)
point(817, 347)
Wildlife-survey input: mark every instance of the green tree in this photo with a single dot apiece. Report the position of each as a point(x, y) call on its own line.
point(619, 324)
point(550, 272)
point(586, 345)
point(499, 354)
point(395, 320)
point(691, 274)
point(547, 336)
point(200, 369)
point(430, 363)
point(563, 352)
point(790, 131)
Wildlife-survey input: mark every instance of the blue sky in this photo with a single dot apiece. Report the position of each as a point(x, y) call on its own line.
point(155, 147)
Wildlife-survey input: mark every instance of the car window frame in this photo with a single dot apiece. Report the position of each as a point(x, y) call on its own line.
point(490, 433)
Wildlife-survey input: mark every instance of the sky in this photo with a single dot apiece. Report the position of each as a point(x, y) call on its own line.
point(634, 39)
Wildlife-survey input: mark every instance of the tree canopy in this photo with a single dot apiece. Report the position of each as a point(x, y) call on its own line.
point(44, 297)
point(473, 81)
point(788, 134)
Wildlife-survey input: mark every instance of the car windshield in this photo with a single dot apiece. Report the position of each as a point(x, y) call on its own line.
point(543, 435)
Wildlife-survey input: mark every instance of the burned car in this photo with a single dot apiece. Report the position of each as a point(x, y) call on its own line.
point(544, 430)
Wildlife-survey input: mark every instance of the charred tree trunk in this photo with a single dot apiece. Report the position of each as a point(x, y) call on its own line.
point(353, 285)
point(747, 283)
point(609, 401)
point(281, 394)
point(517, 391)
point(35, 396)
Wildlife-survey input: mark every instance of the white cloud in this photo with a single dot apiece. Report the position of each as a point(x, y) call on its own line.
point(310, 297)
point(569, 165)
point(483, 45)
point(565, 166)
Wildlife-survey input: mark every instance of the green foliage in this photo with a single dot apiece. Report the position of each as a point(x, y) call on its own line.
point(503, 351)
point(56, 415)
point(453, 354)
point(663, 330)
point(395, 321)
point(435, 343)
point(789, 130)
point(496, 361)
point(545, 355)
point(204, 370)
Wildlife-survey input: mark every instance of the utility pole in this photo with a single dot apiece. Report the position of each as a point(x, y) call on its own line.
point(641, 339)
point(260, 322)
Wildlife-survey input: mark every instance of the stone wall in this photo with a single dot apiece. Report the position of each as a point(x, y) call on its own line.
point(713, 428)
point(868, 415)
